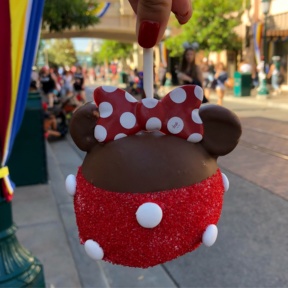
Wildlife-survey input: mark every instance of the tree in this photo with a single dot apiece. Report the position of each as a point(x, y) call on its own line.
point(211, 26)
point(111, 50)
point(61, 53)
point(63, 14)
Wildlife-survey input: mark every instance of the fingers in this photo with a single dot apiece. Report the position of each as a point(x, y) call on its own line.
point(182, 10)
point(153, 16)
point(152, 19)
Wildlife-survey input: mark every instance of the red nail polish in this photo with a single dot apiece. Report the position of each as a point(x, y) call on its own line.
point(148, 33)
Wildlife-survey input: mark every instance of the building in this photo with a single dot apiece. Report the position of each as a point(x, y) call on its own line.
point(253, 28)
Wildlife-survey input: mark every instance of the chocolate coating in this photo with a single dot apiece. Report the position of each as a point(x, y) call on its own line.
point(147, 162)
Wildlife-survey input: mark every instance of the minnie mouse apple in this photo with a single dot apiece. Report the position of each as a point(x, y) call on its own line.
point(149, 189)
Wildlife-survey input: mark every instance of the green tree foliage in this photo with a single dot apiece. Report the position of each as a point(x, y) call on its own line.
point(63, 14)
point(61, 52)
point(211, 26)
point(111, 50)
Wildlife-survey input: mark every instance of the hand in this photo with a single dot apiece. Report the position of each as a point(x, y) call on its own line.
point(153, 16)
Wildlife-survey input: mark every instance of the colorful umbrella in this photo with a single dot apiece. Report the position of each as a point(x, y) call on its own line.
point(19, 29)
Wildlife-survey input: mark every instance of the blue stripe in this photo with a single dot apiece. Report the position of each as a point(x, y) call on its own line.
point(28, 58)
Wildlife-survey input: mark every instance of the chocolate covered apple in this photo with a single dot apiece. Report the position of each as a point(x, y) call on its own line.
point(149, 189)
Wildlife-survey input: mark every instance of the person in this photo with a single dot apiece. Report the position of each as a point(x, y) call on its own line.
point(162, 74)
point(48, 85)
point(274, 75)
point(189, 72)
point(208, 76)
point(67, 88)
point(52, 127)
point(153, 16)
point(245, 67)
point(221, 77)
point(79, 85)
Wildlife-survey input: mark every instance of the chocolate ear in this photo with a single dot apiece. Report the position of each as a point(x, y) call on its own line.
point(82, 126)
point(222, 129)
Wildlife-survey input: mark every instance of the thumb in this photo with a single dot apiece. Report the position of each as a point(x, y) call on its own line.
point(152, 19)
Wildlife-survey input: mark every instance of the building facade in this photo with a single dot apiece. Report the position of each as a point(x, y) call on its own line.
point(253, 29)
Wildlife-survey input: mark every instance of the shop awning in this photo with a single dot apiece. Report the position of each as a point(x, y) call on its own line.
point(277, 25)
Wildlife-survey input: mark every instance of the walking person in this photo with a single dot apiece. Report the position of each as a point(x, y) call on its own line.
point(79, 84)
point(48, 85)
point(189, 72)
point(67, 88)
point(221, 77)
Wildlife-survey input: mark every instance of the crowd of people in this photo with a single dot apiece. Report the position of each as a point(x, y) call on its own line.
point(62, 91)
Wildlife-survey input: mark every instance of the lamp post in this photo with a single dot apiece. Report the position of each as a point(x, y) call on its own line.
point(263, 90)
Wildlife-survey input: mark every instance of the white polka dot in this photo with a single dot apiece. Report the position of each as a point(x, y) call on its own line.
point(150, 102)
point(198, 91)
point(130, 98)
point(93, 250)
point(109, 89)
point(178, 95)
point(105, 109)
point(119, 136)
point(70, 184)
point(210, 235)
point(195, 138)
point(153, 123)
point(149, 215)
point(127, 120)
point(100, 133)
point(195, 116)
point(175, 125)
point(225, 182)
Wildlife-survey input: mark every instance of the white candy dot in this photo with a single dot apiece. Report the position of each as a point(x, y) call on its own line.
point(198, 91)
point(153, 123)
point(100, 133)
point(150, 102)
point(130, 98)
point(127, 120)
point(105, 109)
point(109, 89)
point(119, 136)
point(70, 184)
point(210, 235)
point(175, 125)
point(93, 250)
point(195, 138)
point(195, 116)
point(178, 95)
point(149, 215)
point(225, 182)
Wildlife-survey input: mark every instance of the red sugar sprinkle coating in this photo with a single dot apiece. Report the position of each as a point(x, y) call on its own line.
point(109, 218)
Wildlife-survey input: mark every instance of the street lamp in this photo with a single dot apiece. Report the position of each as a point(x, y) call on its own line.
point(263, 90)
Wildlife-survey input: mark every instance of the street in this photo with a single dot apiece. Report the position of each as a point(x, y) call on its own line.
point(251, 249)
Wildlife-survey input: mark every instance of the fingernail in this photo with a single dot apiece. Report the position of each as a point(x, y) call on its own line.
point(148, 33)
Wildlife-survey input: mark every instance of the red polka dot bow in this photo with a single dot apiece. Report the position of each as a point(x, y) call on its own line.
point(121, 114)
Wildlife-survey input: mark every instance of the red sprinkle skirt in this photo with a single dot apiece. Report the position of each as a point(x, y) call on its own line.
point(109, 218)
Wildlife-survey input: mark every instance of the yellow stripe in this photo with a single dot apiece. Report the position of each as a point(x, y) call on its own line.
point(4, 171)
point(17, 14)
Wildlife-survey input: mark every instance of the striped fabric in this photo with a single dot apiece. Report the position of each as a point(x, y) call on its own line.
point(19, 30)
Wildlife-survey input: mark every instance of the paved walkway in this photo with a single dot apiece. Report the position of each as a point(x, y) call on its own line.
point(251, 250)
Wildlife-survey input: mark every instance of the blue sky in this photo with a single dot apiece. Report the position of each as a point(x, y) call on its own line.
point(80, 44)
